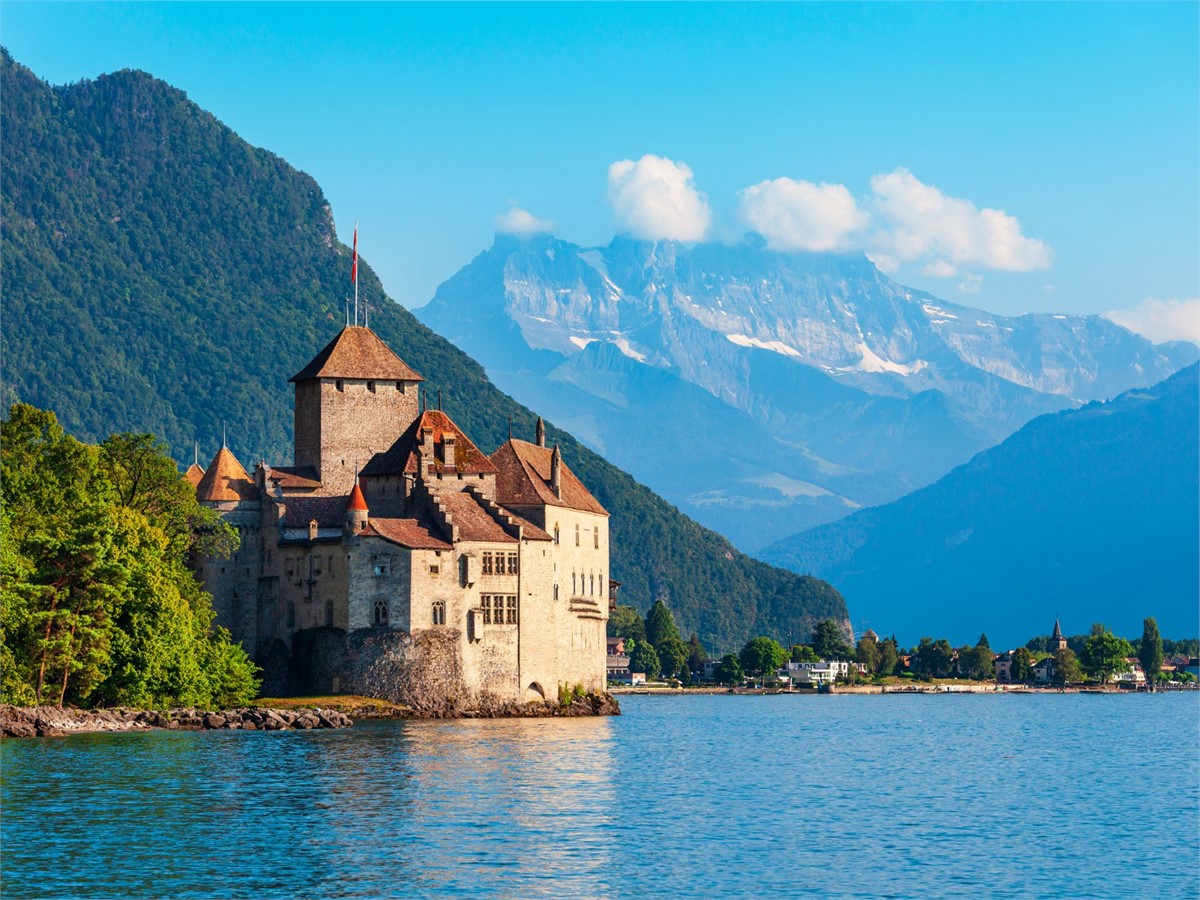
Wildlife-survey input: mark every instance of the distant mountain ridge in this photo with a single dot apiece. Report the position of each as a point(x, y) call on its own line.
point(847, 388)
point(1089, 515)
point(161, 274)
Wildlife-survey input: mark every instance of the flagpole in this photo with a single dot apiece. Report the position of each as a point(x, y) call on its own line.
point(354, 272)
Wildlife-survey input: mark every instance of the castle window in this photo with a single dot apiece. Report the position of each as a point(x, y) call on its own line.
point(382, 569)
point(601, 594)
point(291, 615)
point(435, 569)
point(371, 386)
point(513, 564)
point(593, 583)
point(340, 386)
point(381, 612)
point(555, 532)
point(487, 563)
point(439, 612)
point(512, 610)
point(574, 589)
point(576, 534)
point(596, 537)
point(486, 602)
point(328, 613)
point(400, 386)
point(556, 590)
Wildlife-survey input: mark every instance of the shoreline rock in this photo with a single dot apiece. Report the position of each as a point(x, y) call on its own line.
point(50, 721)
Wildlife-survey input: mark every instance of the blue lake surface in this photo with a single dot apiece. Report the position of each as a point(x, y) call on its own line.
point(705, 796)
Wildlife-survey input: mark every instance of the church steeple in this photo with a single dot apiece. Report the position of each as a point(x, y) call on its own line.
point(1057, 641)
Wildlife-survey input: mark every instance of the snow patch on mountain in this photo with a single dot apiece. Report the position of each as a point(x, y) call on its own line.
point(744, 340)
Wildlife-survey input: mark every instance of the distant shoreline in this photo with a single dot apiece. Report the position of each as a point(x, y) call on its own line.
point(877, 689)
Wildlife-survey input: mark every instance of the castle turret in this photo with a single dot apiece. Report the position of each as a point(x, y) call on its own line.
point(541, 432)
point(357, 514)
point(352, 401)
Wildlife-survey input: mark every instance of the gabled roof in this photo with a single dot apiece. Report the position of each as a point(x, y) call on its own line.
point(330, 512)
point(193, 475)
point(472, 520)
point(407, 533)
point(225, 480)
point(294, 476)
point(403, 456)
point(357, 352)
point(524, 480)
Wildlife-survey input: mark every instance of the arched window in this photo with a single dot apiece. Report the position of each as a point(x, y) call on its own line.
point(574, 588)
point(381, 612)
point(601, 584)
point(439, 612)
point(576, 534)
point(593, 585)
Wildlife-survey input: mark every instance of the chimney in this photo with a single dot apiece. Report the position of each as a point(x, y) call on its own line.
point(448, 444)
point(541, 432)
point(556, 472)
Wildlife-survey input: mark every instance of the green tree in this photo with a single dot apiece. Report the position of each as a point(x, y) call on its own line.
point(933, 658)
point(660, 625)
point(672, 654)
point(804, 653)
point(983, 641)
point(761, 656)
point(1150, 653)
point(1021, 670)
point(1104, 654)
point(867, 653)
point(644, 658)
point(697, 655)
point(979, 661)
point(1066, 667)
point(626, 622)
point(828, 642)
point(889, 657)
point(728, 670)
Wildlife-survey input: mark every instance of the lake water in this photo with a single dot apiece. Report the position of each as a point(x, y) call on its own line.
point(707, 796)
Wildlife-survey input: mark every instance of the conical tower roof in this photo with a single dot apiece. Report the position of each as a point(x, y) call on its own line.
point(357, 502)
point(1057, 636)
point(357, 352)
point(225, 480)
point(193, 474)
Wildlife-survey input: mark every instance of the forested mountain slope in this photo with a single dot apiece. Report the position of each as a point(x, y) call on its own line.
point(1089, 515)
point(161, 274)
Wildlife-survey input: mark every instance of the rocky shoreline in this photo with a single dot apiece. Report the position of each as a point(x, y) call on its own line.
point(50, 721)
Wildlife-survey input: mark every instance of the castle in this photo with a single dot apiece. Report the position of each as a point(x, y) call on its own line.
point(434, 574)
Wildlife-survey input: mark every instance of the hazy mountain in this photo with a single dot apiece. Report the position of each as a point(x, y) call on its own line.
point(160, 274)
point(1089, 515)
point(836, 387)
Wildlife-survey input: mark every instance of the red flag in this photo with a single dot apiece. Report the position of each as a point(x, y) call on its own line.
point(354, 265)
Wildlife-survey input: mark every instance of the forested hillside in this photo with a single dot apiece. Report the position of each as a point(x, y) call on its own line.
point(162, 275)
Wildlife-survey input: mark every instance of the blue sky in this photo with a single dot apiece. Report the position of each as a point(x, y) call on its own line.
point(900, 129)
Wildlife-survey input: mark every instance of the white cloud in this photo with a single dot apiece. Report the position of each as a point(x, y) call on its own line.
point(939, 268)
point(521, 222)
point(971, 283)
point(916, 221)
point(655, 198)
point(800, 215)
point(1161, 320)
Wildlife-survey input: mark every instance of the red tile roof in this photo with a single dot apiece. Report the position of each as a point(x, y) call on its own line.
point(193, 474)
point(225, 480)
point(407, 533)
point(357, 352)
point(472, 520)
point(402, 457)
point(294, 476)
point(357, 501)
point(524, 480)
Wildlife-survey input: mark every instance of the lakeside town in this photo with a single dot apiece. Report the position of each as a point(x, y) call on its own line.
point(648, 654)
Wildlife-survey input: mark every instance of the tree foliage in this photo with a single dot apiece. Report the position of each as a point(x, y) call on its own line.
point(98, 604)
point(828, 642)
point(626, 622)
point(762, 655)
point(1066, 667)
point(644, 658)
point(1021, 669)
point(933, 658)
point(729, 670)
point(1150, 651)
point(1104, 654)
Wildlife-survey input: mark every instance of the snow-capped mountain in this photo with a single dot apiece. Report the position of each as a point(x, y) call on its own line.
point(764, 391)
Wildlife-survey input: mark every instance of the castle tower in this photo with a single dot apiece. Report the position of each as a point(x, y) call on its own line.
point(357, 513)
point(352, 401)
